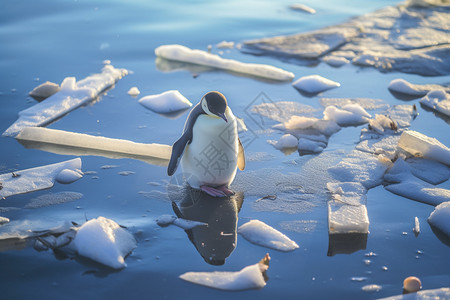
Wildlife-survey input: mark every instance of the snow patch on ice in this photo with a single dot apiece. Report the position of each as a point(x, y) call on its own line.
point(259, 233)
point(44, 90)
point(437, 100)
point(167, 102)
point(314, 84)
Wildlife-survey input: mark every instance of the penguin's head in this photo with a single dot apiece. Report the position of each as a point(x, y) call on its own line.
point(214, 104)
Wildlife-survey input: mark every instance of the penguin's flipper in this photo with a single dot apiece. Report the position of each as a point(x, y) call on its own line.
point(177, 151)
point(241, 156)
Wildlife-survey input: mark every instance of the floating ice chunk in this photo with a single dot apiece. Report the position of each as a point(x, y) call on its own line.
point(302, 7)
point(133, 91)
point(167, 102)
point(261, 234)
point(430, 171)
point(347, 211)
point(335, 61)
point(409, 186)
point(437, 100)
point(166, 220)
point(286, 141)
point(416, 228)
point(362, 167)
point(314, 84)
point(371, 288)
point(440, 217)
point(53, 199)
point(305, 125)
point(104, 241)
point(225, 44)
point(68, 176)
point(98, 143)
point(72, 95)
point(184, 54)
point(251, 277)
point(34, 179)
point(404, 87)
point(420, 145)
point(349, 115)
point(307, 145)
point(3, 220)
point(442, 293)
point(44, 90)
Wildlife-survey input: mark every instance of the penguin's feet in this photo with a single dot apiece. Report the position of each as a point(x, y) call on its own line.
point(213, 191)
point(224, 188)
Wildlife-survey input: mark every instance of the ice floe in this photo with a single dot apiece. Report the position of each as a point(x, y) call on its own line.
point(437, 100)
point(335, 61)
point(133, 91)
point(3, 220)
point(314, 84)
point(349, 115)
point(302, 7)
point(45, 90)
point(72, 95)
point(416, 228)
point(420, 145)
point(165, 103)
point(396, 38)
point(104, 241)
point(184, 54)
point(166, 220)
point(402, 86)
point(225, 44)
point(404, 183)
point(440, 217)
point(347, 211)
point(35, 179)
point(442, 293)
point(250, 277)
point(286, 141)
point(261, 234)
point(371, 288)
point(94, 145)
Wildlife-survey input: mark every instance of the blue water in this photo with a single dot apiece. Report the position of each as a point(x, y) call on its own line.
point(49, 40)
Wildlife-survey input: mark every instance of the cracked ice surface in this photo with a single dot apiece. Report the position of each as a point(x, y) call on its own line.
point(396, 38)
point(35, 179)
point(71, 95)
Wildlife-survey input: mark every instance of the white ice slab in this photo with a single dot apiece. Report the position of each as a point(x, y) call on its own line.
point(133, 91)
point(440, 217)
point(3, 220)
point(72, 95)
point(347, 211)
point(407, 185)
point(442, 293)
point(335, 61)
point(348, 115)
point(184, 54)
point(167, 102)
point(104, 241)
point(45, 90)
point(302, 7)
point(286, 141)
point(404, 87)
point(437, 100)
point(35, 179)
point(250, 277)
point(420, 145)
point(314, 84)
point(261, 234)
point(72, 139)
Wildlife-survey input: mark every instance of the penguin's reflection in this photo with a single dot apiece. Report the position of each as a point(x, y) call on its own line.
point(216, 241)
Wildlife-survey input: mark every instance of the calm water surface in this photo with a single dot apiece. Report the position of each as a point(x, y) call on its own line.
point(49, 40)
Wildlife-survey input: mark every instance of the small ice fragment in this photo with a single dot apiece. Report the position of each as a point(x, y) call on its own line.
point(126, 173)
point(371, 288)
point(404, 233)
point(134, 91)
point(261, 234)
point(45, 90)
point(225, 44)
point(184, 54)
point(251, 277)
point(35, 179)
point(3, 220)
point(68, 176)
point(358, 279)
point(367, 262)
point(404, 87)
point(104, 241)
point(106, 62)
point(421, 145)
point(307, 145)
point(335, 61)
point(167, 102)
point(286, 141)
point(412, 284)
point(440, 218)
point(314, 84)
point(416, 228)
point(349, 115)
point(370, 254)
point(437, 100)
point(384, 268)
point(302, 7)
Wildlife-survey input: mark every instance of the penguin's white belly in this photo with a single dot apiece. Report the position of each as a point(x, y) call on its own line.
point(211, 158)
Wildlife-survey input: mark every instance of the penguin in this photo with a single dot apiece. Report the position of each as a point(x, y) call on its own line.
point(209, 148)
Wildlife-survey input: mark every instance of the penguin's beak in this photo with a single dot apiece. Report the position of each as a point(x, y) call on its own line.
point(222, 115)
